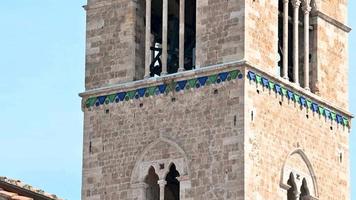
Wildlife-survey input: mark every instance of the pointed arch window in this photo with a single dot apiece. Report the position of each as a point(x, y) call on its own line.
point(162, 186)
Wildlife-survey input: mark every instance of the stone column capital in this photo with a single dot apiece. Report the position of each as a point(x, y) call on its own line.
point(285, 1)
point(296, 3)
point(162, 183)
point(306, 6)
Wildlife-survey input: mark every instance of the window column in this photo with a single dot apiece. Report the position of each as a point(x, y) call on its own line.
point(296, 5)
point(285, 38)
point(181, 34)
point(148, 39)
point(306, 9)
point(164, 36)
point(162, 185)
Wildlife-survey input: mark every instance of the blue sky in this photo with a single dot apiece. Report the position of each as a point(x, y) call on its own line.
point(41, 74)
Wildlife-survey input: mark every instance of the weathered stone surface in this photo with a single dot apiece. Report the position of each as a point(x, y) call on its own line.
point(233, 140)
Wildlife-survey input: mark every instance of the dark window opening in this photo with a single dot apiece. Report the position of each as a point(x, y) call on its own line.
point(173, 36)
point(152, 191)
point(171, 191)
point(292, 192)
point(304, 191)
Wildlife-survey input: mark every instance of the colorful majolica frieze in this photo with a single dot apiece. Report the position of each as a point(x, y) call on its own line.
point(303, 101)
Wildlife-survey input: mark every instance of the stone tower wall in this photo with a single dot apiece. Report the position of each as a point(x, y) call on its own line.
point(279, 127)
point(220, 31)
point(112, 42)
point(204, 127)
point(329, 61)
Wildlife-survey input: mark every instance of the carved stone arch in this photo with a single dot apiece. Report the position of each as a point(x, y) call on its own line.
point(309, 175)
point(142, 166)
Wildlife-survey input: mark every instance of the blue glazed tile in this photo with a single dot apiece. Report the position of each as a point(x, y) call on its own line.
point(315, 107)
point(141, 92)
point(251, 76)
point(290, 95)
point(202, 80)
point(101, 99)
point(339, 119)
point(181, 85)
point(121, 96)
point(240, 76)
point(302, 101)
point(327, 113)
point(162, 88)
point(278, 89)
point(265, 82)
point(223, 76)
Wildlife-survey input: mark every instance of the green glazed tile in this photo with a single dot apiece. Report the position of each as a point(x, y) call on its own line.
point(130, 95)
point(333, 115)
point(192, 83)
point(271, 85)
point(258, 79)
point(90, 102)
point(284, 91)
point(321, 110)
point(309, 104)
point(234, 74)
point(296, 98)
point(151, 91)
point(212, 79)
point(346, 121)
point(110, 98)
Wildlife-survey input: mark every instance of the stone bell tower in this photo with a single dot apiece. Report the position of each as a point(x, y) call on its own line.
point(216, 99)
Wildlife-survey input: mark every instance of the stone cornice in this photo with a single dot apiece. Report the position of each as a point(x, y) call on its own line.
point(331, 20)
point(296, 88)
point(163, 79)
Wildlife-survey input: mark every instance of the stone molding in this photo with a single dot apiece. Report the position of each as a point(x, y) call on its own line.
point(331, 20)
point(240, 65)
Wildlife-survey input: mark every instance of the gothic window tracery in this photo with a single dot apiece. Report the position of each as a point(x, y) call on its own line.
point(160, 186)
point(298, 179)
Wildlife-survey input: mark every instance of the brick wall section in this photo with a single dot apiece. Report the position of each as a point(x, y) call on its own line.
point(110, 46)
point(200, 121)
point(262, 34)
point(329, 67)
point(220, 31)
point(276, 131)
point(332, 63)
point(336, 9)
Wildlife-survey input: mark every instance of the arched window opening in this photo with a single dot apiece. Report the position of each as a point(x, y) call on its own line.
point(170, 36)
point(152, 191)
point(294, 41)
point(292, 191)
point(304, 191)
point(171, 191)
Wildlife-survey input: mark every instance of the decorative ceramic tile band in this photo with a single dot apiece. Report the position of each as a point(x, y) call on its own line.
point(164, 88)
point(303, 101)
